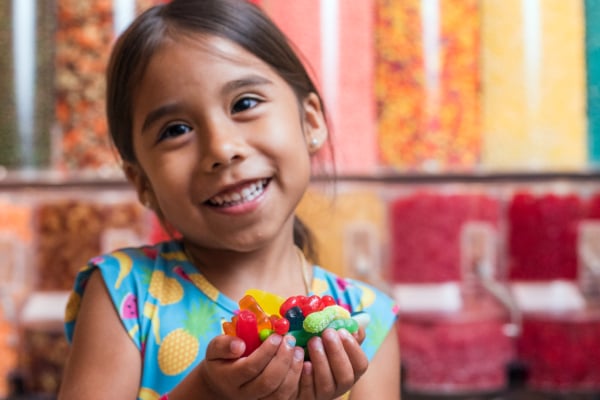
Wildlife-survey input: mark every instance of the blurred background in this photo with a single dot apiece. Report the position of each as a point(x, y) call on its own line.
point(465, 149)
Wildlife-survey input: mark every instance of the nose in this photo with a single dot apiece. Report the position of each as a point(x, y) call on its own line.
point(221, 147)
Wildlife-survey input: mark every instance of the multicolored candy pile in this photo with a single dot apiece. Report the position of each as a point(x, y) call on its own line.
point(262, 314)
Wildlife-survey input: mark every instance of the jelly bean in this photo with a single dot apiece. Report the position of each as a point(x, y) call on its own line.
point(327, 301)
point(311, 305)
point(349, 324)
point(280, 325)
point(269, 302)
point(288, 303)
point(296, 318)
point(247, 330)
point(264, 334)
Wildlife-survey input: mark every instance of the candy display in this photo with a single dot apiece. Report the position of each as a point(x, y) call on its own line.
point(592, 52)
point(533, 64)
point(466, 351)
point(85, 31)
point(427, 84)
point(300, 316)
point(26, 84)
point(542, 235)
point(426, 229)
point(349, 226)
point(562, 350)
point(71, 231)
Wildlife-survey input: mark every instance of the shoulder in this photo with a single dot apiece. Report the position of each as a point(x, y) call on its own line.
point(358, 296)
point(127, 274)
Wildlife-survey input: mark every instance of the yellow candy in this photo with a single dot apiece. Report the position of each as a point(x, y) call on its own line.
point(269, 302)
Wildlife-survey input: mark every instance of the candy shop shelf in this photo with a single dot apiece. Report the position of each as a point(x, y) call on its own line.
point(50, 179)
point(466, 177)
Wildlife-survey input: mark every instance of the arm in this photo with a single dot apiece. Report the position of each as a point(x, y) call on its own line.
point(104, 362)
point(382, 379)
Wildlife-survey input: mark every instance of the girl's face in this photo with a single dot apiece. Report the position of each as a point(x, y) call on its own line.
point(222, 144)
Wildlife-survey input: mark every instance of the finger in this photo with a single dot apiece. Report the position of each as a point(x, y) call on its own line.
point(225, 347)
point(256, 362)
point(276, 370)
point(339, 363)
point(360, 335)
point(289, 388)
point(357, 357)
point(324, 383)
point(306, 389)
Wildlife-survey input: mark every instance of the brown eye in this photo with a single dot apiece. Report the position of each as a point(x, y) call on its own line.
point(244, 104)
point(174, 131)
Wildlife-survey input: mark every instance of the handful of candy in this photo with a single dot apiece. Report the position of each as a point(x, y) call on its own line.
point(262, 314)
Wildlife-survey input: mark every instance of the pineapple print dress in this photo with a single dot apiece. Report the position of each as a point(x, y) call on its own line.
point(171, 311)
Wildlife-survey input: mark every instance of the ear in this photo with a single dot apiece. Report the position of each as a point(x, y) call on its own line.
point(314, 125)
point(144, 191)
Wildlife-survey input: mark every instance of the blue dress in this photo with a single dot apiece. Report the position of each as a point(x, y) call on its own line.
point(171, 312)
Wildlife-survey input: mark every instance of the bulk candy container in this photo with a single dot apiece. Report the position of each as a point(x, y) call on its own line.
point(427, 84)
point(26, 83)
point(533, 64)
point(71, 227)
point(457, 320)
point(552, 247)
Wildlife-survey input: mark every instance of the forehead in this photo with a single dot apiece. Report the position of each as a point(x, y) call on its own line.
point(201, 58)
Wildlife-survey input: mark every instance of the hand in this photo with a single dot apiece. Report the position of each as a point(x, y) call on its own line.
point(271, 372)
point(336, 363)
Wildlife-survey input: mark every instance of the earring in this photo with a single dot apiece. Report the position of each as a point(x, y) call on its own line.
point(314, 143)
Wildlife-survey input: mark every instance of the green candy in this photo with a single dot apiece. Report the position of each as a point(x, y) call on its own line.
point(318, 321)
point(302, 337)
point(349, 324)
point(264, 334)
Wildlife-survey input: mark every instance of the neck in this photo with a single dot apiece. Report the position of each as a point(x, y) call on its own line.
point(282, 270)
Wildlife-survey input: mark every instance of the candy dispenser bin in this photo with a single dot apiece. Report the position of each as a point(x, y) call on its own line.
point(552, 242)
point(72, 226)
point(457, 320)
point(26, 83)
point(349, 224)
point(44, 348)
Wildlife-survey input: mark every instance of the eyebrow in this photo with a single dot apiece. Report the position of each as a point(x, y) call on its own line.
point(231, 86)
point(158, 113)
point(246, 81)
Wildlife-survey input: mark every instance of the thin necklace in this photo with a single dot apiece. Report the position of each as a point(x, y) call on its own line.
point(305, 268)
point(304, 265)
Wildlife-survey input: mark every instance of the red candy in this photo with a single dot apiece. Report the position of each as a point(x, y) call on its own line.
point(281, 326)
point(311, 304)
point(247, 330)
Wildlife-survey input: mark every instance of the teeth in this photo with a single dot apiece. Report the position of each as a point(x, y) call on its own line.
point(248, 193)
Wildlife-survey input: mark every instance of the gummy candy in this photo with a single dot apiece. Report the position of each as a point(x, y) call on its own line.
point(303, 317)
point(247, 330)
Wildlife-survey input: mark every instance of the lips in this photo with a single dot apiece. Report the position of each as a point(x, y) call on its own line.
point(240, 195)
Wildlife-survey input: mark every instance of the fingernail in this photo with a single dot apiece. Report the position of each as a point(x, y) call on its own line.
point(298, 354)
point(275, 339)
point(345, 334)
point(316, 344)
point(236, 346)
point(290, 340)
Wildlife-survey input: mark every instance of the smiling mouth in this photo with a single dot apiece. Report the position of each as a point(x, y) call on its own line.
point(241, 195)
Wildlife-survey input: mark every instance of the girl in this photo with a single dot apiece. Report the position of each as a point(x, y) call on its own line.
point(216, 120)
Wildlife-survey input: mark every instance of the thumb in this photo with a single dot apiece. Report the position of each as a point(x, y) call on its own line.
point(225, 347)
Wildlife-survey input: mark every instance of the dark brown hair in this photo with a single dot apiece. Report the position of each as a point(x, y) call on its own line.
point(236, 20)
